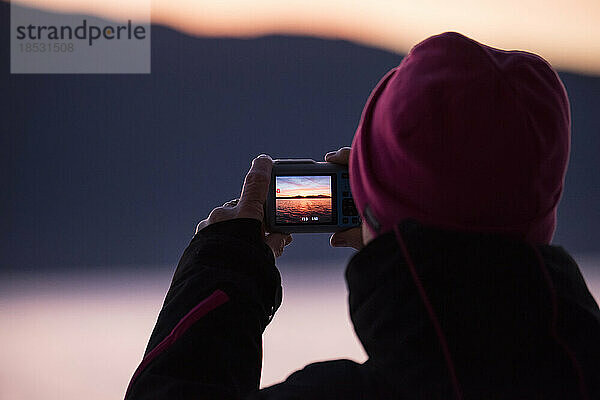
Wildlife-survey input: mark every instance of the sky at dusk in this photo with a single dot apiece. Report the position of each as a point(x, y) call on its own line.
point(106, 176)
point(290, 186)
point(565, 32)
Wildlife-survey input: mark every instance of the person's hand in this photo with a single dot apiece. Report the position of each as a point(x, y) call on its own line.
point(351, 237)
point(250, 203)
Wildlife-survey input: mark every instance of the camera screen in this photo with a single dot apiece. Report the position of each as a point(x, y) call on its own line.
point(306, 199)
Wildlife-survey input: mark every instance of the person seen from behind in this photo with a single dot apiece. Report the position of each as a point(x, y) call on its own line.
point(456, 290)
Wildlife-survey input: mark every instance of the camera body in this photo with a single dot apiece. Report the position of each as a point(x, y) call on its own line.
point(309, 196)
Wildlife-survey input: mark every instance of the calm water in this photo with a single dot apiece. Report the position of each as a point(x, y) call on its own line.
point(74, 335)
point(294, 210)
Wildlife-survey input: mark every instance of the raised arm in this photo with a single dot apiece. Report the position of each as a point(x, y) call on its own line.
point(207, 342)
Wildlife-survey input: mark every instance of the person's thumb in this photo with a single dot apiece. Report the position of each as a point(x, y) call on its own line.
point(277, 242)
point(348, 238)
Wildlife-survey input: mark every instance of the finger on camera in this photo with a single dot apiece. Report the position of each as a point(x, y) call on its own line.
point(277, 242)
point(347, 238)
point(256, 187)
point(279, 238)
point(340, 156)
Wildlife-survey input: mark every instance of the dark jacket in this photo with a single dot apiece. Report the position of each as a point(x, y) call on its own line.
point(441, 315)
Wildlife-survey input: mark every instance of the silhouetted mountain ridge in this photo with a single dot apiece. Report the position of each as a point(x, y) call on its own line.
point(320, 196)
point(102, 170)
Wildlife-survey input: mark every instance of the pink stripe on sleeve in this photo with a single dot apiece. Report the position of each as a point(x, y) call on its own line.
point(217, 298)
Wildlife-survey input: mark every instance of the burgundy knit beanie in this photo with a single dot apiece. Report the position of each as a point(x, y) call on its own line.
point(463, 136)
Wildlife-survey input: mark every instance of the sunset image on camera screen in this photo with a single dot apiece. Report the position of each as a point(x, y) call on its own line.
point(303, 200)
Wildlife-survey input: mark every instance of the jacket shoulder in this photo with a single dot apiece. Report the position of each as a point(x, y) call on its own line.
point(335, 379)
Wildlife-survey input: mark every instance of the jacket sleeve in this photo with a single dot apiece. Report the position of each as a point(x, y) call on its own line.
point(207, 342)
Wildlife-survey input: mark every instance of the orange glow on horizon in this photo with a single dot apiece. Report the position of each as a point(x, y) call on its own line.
point(321, 191)
point(563, 32)
point(303, 186)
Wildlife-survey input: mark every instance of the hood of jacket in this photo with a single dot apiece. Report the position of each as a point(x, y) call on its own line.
point(485, 315)
point(466, 136)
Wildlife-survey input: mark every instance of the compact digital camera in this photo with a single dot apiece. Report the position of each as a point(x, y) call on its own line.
point(309, 196)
